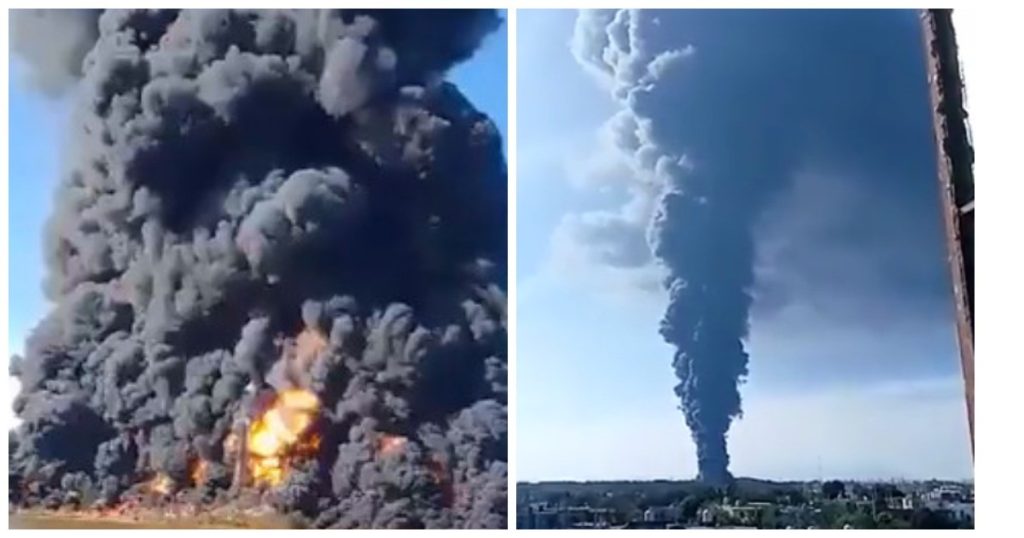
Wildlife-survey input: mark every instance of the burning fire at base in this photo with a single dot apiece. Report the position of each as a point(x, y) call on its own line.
point(161, 484)
point(282, 434)
point(198, 472)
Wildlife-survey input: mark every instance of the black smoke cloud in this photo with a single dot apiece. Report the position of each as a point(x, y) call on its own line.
point(719, 112)
point(237, 177)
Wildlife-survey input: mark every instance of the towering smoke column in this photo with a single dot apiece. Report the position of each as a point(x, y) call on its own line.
point(716, 109)
point(280, 233)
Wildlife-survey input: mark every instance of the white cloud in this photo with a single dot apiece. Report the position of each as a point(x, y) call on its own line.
point(591, 42)
point(668, 60)
point(13, 387)
point(577, 264)
point(598, 166)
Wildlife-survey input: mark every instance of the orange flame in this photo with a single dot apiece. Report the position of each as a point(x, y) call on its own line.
point(282, 433)
point(440, 475)
point(308, 345)
point(299, 354)
point(160, 484)
point(117, 510)
point(198, 472)
point(388, 444)
point(230, 443)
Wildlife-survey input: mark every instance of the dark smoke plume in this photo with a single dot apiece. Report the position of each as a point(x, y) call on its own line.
point(718, 110)
point(238, 178)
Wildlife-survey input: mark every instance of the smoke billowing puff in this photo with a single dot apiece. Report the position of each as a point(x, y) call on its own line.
point(55, 41)
point(718, 109)
point(261, 201)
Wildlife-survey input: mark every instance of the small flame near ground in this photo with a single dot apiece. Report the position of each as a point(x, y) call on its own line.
point(160, 484)
point(281, 434)
point(118, 510)
point(391, 444)
point(198, 472)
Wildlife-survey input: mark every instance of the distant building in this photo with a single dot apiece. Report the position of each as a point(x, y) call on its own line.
point(669, 513)
point(542, 515)
point(905, 503)
point(794, 517)
point(947, 493)
point(961, 512)
point(538, 515)
point(586, 517)
point(706, 516)
point(746, 515)
point(957, 510)
point(813, 489)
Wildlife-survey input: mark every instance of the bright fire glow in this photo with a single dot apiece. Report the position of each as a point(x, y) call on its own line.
point(198, 472)
point(160, 484)
point(308, 345)
point(231, 443)
point(440, 476)
point(388, 444)
point(282, 433)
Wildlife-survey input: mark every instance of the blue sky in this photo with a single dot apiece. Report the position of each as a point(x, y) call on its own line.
point(37, 123)
point(854, 367)
point(36, 126)
point(484, 78)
